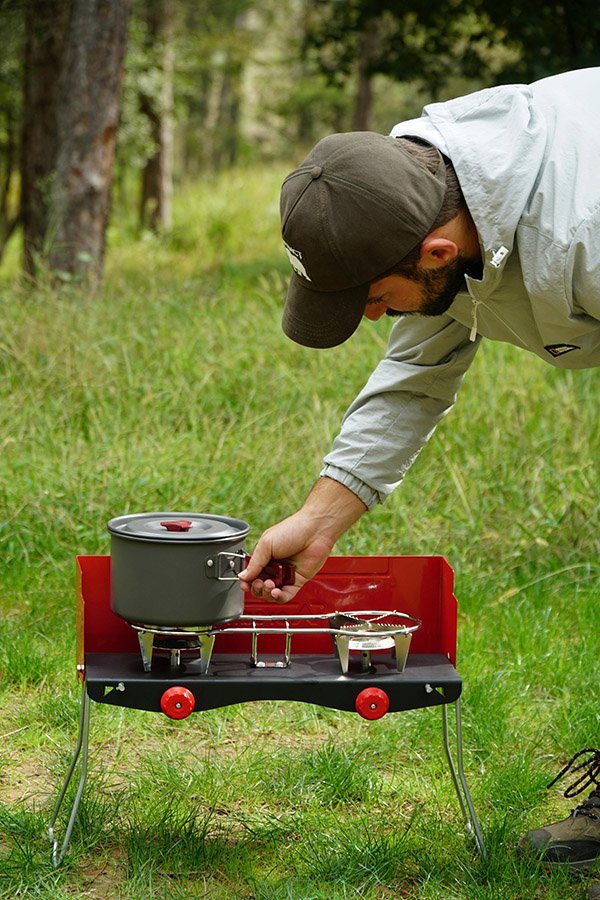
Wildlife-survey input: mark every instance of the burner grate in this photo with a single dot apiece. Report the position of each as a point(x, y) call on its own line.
point(364, 631)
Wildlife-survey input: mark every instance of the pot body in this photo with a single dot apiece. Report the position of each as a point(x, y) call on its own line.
point(173, 580)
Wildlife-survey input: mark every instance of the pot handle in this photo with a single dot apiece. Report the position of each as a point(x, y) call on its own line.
point(280, 572)
point(226, 566)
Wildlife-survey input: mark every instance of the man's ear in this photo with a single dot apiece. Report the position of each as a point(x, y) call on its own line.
point(436, 252)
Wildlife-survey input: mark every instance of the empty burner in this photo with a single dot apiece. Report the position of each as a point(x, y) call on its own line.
point(375, 632)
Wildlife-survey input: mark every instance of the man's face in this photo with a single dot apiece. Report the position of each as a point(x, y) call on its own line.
point(428, 292)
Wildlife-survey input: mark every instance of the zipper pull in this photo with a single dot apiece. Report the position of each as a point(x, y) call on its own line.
point(473, 333)
point(498, 257)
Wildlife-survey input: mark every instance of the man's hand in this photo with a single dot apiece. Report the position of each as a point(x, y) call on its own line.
point(293, 540)
point(305, 539)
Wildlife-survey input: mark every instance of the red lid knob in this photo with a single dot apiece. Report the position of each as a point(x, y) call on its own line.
point(177, 525)
point(177, 702)
point(372, 703)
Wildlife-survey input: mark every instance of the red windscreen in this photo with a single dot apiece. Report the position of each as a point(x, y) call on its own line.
point(421, 586)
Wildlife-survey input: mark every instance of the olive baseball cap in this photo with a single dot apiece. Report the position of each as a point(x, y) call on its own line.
point(356, 206)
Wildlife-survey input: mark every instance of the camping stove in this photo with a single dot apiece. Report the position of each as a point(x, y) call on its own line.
point(342, 642)
point(353, 636)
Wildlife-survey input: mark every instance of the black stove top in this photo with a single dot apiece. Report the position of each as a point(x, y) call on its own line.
point(118, 679)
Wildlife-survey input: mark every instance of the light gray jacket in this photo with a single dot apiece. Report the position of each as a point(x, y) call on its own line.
point(528, 162)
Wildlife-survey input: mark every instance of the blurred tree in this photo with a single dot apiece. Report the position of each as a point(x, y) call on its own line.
point(248, 80)
point(210, 43)
point(367, 53)
point(156, 103)
point(88, 112)
point(228, 101)
point(135, 143)
point(549, 37)
point(46, 23)
point(304, 97)
point(213, 57)
point(355, 40)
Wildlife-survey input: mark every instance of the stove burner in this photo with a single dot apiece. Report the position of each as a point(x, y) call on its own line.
point(363, 632)
point(176, 643)
point(377, 632)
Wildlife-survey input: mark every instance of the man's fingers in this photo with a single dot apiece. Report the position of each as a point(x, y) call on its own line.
point(266, 590)
point(262, 590)
point(283, 596)
point(257, 589)
point(252, 579)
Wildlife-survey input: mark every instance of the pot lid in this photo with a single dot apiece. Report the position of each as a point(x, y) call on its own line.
point(178, 526)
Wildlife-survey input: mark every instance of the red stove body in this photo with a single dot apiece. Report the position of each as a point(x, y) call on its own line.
point(112, 670)
point(108, 647)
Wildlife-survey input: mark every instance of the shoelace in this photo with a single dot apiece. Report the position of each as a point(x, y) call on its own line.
point(589, 776)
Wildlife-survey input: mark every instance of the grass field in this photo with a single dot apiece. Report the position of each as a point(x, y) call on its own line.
point(174, 388)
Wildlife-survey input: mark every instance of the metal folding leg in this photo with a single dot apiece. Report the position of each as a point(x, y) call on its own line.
point(81, 748)
point(460, 781)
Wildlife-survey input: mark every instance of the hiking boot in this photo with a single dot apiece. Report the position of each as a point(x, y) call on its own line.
point(573, 842)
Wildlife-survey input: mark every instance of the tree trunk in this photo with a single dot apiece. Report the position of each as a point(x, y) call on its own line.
point(196, 157)
point(157, 177)
point(46, 23)
point(87, 126)
point(11, 120)
point(227, 128)
point(305, 123)
point(363, 101)
point(8, 219)
point(226, 140)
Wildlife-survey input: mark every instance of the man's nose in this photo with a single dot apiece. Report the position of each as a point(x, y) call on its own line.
point(375, 311)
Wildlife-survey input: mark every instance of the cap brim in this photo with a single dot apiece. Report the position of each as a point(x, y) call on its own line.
point(322, 319)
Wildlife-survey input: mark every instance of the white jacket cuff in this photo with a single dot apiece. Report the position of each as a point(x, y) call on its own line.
point(365, 493)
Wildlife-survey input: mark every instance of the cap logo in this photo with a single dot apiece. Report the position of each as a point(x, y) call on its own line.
point(296, 260)
point(560, 349)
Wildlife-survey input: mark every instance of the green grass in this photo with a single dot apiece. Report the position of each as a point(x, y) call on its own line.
point(174, 388)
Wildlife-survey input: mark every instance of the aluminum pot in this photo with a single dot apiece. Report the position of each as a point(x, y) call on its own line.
point(176, 569)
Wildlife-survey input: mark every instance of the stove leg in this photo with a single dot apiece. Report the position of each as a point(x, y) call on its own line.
point(402, 645)
point(460, 781)
point(146, 639)
point(82, 747)
point(206, 648)
point(342, 646)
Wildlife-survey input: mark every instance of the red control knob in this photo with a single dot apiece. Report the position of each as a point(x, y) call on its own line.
point(372, 703)
point(177, 702)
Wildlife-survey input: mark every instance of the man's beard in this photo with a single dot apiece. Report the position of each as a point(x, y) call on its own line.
point(440, 286)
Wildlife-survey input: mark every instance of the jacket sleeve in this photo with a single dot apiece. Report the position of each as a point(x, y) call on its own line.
point(398, 409)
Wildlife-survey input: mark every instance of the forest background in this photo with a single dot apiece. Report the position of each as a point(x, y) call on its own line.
point(172, 89)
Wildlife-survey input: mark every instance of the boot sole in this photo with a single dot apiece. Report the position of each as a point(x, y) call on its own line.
point(580, 865)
